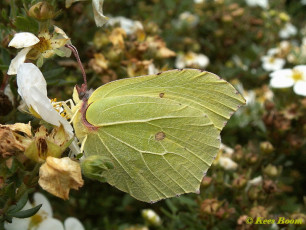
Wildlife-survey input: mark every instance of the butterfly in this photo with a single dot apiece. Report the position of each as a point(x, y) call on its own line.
point(160, 132)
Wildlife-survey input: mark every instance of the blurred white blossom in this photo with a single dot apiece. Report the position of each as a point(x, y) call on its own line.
point(255, 181)
point(97, 6)
point(288, 31)
point(271, 63)
point(43, 219)
point(128, 25)
point(227, 150)
point(295, 77)
point(186, 19)
point(190, 59)
point(227, 163)
point(262, 3)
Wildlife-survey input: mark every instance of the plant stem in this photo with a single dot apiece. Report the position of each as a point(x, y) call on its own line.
point(76, 54)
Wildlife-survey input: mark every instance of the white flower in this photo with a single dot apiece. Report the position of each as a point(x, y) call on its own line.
point(97, 6)
point(198, 1)
point(226, 149)
point(43, 46)
point(255, 181)
point(273, 51)
point(303, 2)
point(295, 77)
point(151, 216)
point(72, 223)
point(271, 63)
point(288, 31)
point(187, 18)
point(128, 25)
point(43, 219)
point(227, 163)
point(191, 59)
point(152, 69)
point(100, 19)
point(262, 3)
point(32, 87)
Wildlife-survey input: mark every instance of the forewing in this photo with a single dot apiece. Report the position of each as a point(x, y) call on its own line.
point(202, 90)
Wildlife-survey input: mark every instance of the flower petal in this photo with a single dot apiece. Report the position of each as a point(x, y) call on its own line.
point(18, 60)
point(281, 81)
point(58, 176)
point(281, 72)
point(32, 89)
point(100, 19)
point(46, 208)
point(29, 77)
point(17, 224)
point(202, 60)
point(301, 68)
point(272, 64)
point(262, 3)
point(72, 223)
point(23, 40)
point(61, 32)
point(180, 62)
point(300, 88)
point(51, 224)
point(227, 163)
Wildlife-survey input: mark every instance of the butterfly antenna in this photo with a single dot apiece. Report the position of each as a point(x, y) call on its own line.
point(81, 90)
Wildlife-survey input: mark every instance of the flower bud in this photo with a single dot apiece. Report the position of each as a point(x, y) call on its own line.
point(258, 211)
point(284, 17)
point(269, 186)
point(271, 171)
point(210, 206)
point(151, 217)
point(94, 166)
point(251, 158)
point(240, 182)
point(266, 147)
point(206, 181)
point(254, 193)
point(42, 11)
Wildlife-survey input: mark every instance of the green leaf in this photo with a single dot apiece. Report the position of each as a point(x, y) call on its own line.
point(20, 204)
point(26, 24)
point(53, 73)
point(161, 132)
point(27, 213)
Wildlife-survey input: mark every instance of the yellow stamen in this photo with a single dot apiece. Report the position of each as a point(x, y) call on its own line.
point(43, 45)
point(272, 60)
point(36, 220)
point(297, 75)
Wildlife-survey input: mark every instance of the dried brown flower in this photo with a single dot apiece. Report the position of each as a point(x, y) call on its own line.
point(58, 176)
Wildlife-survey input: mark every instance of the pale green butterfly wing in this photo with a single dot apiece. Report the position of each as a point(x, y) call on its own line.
point(160, 131)
point(202, 90)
